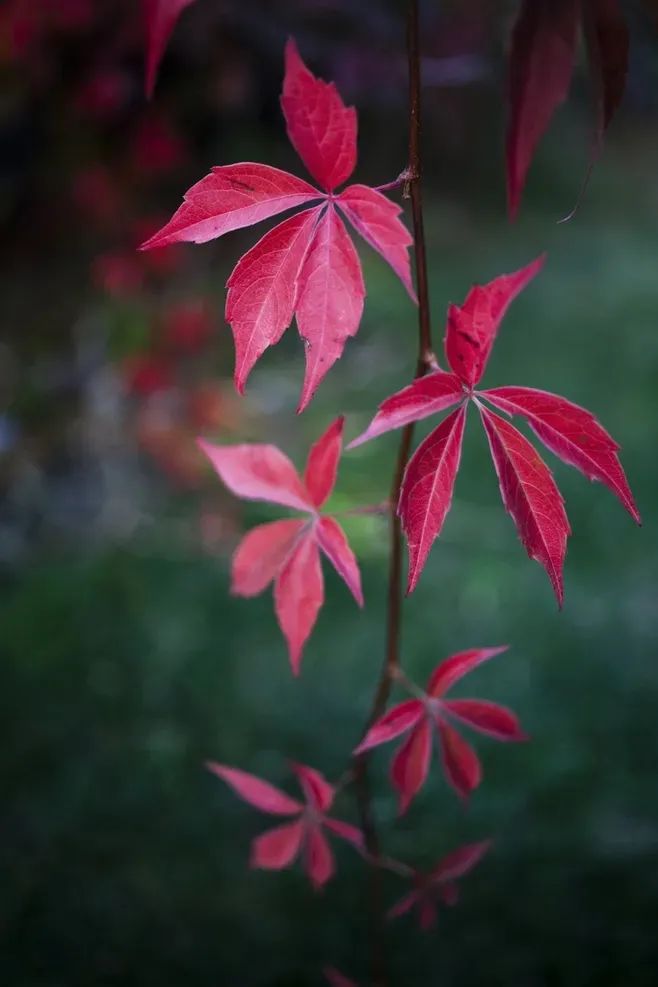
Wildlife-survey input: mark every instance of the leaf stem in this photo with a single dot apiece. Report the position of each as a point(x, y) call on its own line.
point(426, 361)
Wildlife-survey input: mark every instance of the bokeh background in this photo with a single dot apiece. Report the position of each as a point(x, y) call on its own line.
point(125, 662)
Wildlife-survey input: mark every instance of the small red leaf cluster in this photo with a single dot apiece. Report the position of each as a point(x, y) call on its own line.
point(527, 486)
point(287, 552)
point(431, 712)
point(541, 64)
point(307, 266)
point(278, 848)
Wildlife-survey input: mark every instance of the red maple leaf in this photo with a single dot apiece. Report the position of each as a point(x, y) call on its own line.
point(440, 883)
point(288, 551)
point(527, 486)
point(306, 266)
point(432, 711)
point(278, 848)
point(160, 17)
point(541, 62)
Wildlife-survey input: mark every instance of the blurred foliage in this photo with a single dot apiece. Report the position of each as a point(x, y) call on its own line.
point(125, 663)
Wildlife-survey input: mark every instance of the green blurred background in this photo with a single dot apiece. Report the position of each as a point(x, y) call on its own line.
point(125, 662)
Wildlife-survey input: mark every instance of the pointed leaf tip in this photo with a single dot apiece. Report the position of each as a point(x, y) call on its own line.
point(320, 127)
point(472, 328)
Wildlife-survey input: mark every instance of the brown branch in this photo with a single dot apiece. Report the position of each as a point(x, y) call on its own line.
point(426, 361)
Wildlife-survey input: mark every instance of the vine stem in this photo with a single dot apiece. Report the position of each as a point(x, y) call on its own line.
point(426, 360)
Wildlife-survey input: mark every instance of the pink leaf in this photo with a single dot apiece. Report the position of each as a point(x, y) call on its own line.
point(161, 17)
point(258, 472)
point(486, 717)
point(404, 905)
point(394, 722)
point(263, 288)
point(317, 791)
point(530, 496)
point(460, 762)
point(472, 328)
point(322, 463)
point(424, 397)
point(376, 218)
point(278, 847)
point(411, 763)
point(351, 834)
point(456, 667)
point(540, 68)
point(230, 197)
point(427, 487)
point(460, 861)
point(331, 539)
point(256, 792)
point(330, 300)
point(606, 35)
point(320, 127)
point(260, 555)
point(319, 860)
point(298, 596)
point(572, 433)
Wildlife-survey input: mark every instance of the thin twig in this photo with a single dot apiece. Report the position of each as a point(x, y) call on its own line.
point(426, 361)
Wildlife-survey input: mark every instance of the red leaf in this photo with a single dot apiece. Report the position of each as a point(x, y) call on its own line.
point(530, 496)
point(351, 834)
point(456, 667)
point(229, 198)
point(572, 433)
point(394, 722)
point(319, 859)
point(404, 905)
point(278, 847)
point(322, 463)
point(330, 299)
point(411, 763)
point(460, 762)
point(260, 555)
point(320, 127)
point(161, 17)
point(606, 36)
point(258, 472)
point(298, 596)
point(540, 68)
point(424, 397)
point(317, 791)
point(427, 487)
point(460, 861)
point(376, 218)
point(256, 792)
point(262, 290)
point(486, 717)
point(472, 328)
point(331, 539)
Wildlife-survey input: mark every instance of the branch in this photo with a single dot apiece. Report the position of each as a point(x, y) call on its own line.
point(426, 361)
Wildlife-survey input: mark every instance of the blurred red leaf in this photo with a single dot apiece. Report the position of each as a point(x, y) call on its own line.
point(279, 847)
point(410, 764)
point(288, 553)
